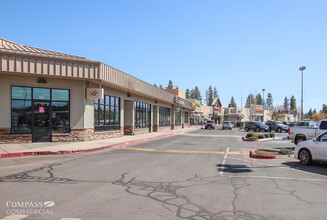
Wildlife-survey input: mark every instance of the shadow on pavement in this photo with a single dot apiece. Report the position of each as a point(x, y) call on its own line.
point(316, 167)
point(230, 168)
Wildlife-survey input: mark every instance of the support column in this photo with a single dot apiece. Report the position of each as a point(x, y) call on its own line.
point(155, 118)
point(128, 117)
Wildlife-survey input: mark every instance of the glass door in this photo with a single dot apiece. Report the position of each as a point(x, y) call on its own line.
point(41, 122)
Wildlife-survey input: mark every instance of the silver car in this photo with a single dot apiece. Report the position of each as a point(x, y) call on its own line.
point(227, 125)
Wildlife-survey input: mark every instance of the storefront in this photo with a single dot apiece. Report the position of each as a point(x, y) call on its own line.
point(44, 96)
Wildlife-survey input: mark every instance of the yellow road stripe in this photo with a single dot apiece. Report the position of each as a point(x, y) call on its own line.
point(178, 151)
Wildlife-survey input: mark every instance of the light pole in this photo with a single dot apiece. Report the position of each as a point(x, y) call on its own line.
point(263, 103)
point(301, 69)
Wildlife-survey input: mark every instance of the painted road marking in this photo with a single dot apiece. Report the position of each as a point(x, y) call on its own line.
point(224, 162)
point(178, 151)
point(70, 219)
point(14, 217)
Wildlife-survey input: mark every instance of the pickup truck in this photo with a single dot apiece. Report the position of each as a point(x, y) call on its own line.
point(306, 130)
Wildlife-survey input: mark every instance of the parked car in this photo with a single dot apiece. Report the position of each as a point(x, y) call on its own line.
point(277, 126)
point(290, 124)
point(255, 126)
point(306, 130)
point(227, 125)
point(210, 124)
point(315, 149)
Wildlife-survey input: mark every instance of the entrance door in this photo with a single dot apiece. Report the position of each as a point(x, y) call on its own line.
point(41, 124)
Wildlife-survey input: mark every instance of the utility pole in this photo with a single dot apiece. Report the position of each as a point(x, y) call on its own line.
point(301, 69)
point(263, 117)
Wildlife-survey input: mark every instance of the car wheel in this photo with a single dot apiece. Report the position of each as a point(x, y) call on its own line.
point(269, 130)
point(279, 130)
point(299, 140)
point(246, 129)
point(305, 157)
point(257, 130)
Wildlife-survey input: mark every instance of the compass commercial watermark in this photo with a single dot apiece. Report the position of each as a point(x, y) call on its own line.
point(29, 208)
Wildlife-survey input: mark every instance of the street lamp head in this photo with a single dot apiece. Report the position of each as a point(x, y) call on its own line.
point(263, 90)
point(302, 68)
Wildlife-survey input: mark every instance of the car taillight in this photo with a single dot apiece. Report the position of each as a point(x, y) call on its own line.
point(289, 130)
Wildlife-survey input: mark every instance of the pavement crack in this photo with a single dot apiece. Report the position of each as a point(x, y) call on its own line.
point(167, 194)
point(290, 192)
point(29, 175)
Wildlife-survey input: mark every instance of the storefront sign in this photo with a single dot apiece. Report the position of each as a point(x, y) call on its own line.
point(217, 109)
point(41, 109)
point(94, 93)
point(178, 100)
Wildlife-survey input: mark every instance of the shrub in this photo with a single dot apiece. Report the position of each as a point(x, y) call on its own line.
point(267, 135)
point(272, 135)
point(249, 135)
point(253, 138)
point(261, 136)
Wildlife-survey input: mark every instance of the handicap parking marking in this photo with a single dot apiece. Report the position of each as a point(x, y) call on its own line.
point(177, 151)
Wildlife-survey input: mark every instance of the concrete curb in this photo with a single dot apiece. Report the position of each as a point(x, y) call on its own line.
point(254, 155)
point(36, 153)
point(245, 139)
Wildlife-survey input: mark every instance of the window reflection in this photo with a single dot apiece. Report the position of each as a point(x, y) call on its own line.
point(21, 116)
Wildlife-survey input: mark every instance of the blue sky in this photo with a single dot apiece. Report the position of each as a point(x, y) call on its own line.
point(239, 46)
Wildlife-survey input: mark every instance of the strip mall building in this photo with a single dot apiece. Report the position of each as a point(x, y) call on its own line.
point(51, 96)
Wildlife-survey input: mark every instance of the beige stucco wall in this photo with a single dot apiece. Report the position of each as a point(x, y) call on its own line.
point(76, 97)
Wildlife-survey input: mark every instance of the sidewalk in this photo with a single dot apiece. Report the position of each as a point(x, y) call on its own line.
point(53, 148)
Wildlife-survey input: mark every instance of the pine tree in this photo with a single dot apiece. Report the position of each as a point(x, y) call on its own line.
point(258, 99)
point(155, 85)
point(232, 102)
point(269, 102)
point(314, 111)
point(170, 85)
point(293, 103)
point(286, 105)
point(324, 109)
point(209, 96)
point(160, 86)
point(215, 93)
point(197, 94)
point(310, 113)
point(187, 94)
point(192, 94)
point(249, 101)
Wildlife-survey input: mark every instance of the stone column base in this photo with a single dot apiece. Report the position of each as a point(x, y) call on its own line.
point(128, 130)
point(155, 128)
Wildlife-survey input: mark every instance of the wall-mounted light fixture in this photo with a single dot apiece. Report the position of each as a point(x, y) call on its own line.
point(42, 80)
point(128, 94)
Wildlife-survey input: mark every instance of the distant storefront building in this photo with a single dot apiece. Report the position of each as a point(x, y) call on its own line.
point(51, 96)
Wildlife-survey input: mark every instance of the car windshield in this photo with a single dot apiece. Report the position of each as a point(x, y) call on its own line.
point(210, 122)
point(279, 123)
point(227, 122)
point(259, 123)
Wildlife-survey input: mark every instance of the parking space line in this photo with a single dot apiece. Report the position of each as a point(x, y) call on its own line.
point(221, 172)
point(14, 217)
point(178, 151)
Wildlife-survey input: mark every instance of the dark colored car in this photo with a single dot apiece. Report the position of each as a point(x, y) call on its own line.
point(256, 126)
point(210, 124)
point(277, 126)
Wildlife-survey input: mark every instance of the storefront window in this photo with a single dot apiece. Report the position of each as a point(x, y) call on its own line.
point(25, 99)
point(142, 115)
point(164, 116)
point(178, 118)
point(41, 94)
point(21, 116)
point(186, 117)
point(107, 114)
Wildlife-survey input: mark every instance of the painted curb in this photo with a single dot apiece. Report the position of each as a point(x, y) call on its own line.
point(37, 153)
point(254, 155)
point(245, 139)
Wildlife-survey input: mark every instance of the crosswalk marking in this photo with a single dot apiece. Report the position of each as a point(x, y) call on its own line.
point(14, 217)
point(19, 217)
